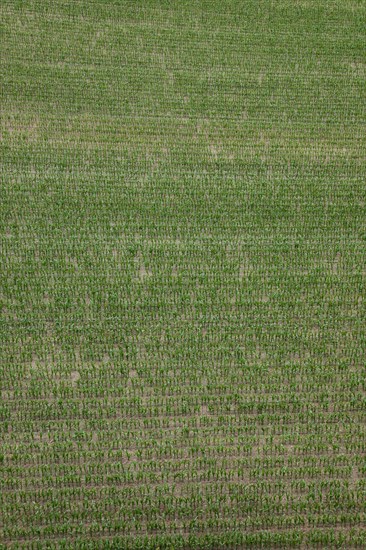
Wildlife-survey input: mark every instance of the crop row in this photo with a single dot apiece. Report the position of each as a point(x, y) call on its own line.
point(162, 504)
point(128, 476)
point(348, 426)
point(289, 538)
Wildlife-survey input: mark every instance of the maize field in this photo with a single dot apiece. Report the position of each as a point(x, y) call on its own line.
point(183, 274)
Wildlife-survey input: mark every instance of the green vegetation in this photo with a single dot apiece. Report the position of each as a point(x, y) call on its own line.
point(182, 251)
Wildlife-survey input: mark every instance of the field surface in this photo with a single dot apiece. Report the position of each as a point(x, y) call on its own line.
point(182, 274)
